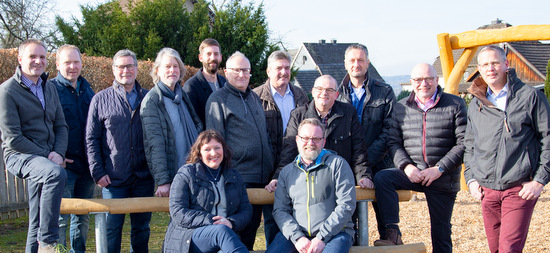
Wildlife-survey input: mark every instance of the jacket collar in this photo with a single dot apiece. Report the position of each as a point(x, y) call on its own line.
point(236, 91)
point(479, 87)
point(202, 79)
point(344, 88)
point(318, 162)
point(412, 103)
point(62, 80)
point(19, 73)
point(335, 112)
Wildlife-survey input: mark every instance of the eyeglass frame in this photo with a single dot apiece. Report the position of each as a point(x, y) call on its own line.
point(130, 67)
point(238, 71)
point(327, 90)
point(315, 140)
point(429, 79)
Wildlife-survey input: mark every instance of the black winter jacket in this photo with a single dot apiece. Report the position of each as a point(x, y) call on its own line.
point(507, 148)
point(273, 117)
point(377, 108)
point(191, 200)
point(198, 90)
point(344, 135)
point(427, 139)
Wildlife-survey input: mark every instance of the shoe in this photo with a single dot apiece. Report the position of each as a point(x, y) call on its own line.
point(393, 237)
point(44, 247)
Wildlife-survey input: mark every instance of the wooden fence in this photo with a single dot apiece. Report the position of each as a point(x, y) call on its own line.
point(13, 194)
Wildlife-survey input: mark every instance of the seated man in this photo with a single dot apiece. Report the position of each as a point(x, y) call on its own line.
point(315, 216)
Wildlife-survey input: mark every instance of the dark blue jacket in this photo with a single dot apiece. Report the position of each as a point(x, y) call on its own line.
point(75, 104)
point(198, 90)
point(191, 200)
point(114, 137)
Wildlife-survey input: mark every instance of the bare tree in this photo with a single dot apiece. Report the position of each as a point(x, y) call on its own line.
point(24, 19)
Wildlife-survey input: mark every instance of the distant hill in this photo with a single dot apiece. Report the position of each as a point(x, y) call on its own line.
point(396, 81)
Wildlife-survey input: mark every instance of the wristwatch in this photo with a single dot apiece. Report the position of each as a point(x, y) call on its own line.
point(440, 169)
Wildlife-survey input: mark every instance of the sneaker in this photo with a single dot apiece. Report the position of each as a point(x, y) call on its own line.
point(393, 237)
point(44, 247)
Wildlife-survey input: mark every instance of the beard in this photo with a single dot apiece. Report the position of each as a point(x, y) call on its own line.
point(211, 70)
point(309, 153)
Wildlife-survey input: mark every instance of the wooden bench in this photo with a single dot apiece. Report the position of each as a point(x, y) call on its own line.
point(257, 196)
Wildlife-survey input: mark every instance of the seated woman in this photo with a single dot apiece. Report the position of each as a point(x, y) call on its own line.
point(208, 201)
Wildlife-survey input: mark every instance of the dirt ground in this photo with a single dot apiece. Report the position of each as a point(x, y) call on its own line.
point(467, 224)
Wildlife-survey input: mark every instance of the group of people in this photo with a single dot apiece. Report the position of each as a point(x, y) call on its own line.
point(204, 142)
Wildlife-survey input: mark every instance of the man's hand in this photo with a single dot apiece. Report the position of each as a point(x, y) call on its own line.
point(414, 174)
point(316, 246)
point(222, 220)
point(475, 190)
point(104, 181)
point(271, 186)
point(430, 174)
point(163, 190)
point(67, 160)
point(302, 245)
point(531, 190)
point(366, 183)
point(56, 158)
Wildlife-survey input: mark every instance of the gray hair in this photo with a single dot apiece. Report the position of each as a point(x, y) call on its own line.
point(235, 55)
point(312, 121)
point(25, 43)
point(277, 55)
point(170, 52)
point(67, 47)
point(493, 48)
point(357, 46)
point(125, 52)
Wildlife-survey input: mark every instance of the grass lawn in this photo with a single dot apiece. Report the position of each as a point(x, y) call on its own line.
point(13, 234)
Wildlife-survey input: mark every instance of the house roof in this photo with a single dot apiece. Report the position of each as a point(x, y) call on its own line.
point(535, 52)
point(305, 79)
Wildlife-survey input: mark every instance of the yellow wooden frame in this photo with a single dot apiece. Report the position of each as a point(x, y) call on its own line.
point(471, 40)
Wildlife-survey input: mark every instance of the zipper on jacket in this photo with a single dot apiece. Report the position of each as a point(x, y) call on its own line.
point(307, 206)
point(506, 122)
point(424, 137)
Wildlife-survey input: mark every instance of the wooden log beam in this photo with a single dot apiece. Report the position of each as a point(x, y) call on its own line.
point(492, 36)
point(445, 55)
point(405, 248)
point(257, 196)
point(452, 82)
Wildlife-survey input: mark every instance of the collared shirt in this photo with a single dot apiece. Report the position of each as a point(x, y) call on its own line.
point(499, 100)
point(357, 98)
point(428, 104)
point(323, 120)
point(36, 89)
point(285, 104)
point(130, 96)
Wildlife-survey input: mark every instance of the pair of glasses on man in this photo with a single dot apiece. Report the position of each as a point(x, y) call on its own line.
point(419, 80)
point(237, 71)
point(307, 139)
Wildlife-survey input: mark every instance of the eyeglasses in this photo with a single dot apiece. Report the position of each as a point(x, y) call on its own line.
point(127, 66)
point(419, 80)
point(237, 71)
point(327, 90)
point(307, 139)
point(495, 64)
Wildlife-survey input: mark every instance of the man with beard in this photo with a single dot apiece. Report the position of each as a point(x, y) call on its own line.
point(199, 87)
point(343, 132)
point(315, 197)
point(279, 97)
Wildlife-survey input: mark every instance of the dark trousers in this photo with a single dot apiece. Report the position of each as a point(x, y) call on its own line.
point(506, 217)
point(440, 205)
point(46, 182)
point(214, 238)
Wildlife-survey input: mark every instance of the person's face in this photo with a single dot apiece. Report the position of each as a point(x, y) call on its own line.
point(69, 64)
point(356, 63)
point(310, 142)
point(210, 57)
point(212, 154)
point(33, 60)
point(492, 68)
point(279, 73)
point(424, 81)
point(324, 93)
point(238, 73)
point(125, 70)
point(169, 70)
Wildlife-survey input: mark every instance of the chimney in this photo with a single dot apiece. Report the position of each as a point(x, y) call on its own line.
point(333, 41)
point(497, 21)
point(322, 41)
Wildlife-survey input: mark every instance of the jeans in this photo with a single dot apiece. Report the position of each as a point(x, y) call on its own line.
point(440, 205)
point(46, 181)
point(339, 243)
point(139, 235)
point(506, 217)
point(79, 185)
point(270, 226)
point(214, 238)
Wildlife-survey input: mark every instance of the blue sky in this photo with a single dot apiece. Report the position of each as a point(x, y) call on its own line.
point(399, 34)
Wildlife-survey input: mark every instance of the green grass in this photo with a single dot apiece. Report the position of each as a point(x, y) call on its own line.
point(13, 234)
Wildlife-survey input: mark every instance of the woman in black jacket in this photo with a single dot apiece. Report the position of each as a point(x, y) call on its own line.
point(208, 201)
